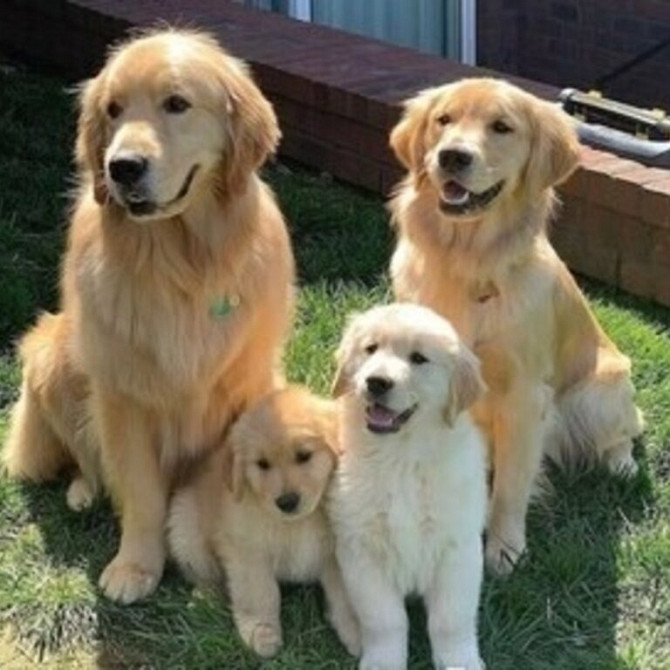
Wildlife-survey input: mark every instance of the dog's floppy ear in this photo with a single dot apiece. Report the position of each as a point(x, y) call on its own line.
point(342, 381)
point(554, 147)
point(90, 144)
point(252, 128)
point(466, 385)
point(407, 138)
point(233, 469)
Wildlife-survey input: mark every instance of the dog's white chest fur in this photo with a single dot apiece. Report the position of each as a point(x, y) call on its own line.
point(405, 500)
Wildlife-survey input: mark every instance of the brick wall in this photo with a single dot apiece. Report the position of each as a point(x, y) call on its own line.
point(337, 97)
point(575, 42)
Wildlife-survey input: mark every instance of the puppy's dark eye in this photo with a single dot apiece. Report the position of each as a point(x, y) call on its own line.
point(417, 358)
point(303, 456)
point(444, 119)
point(371, 348)
point(114, 110)
point(501, 127)
point(175, 104)
point(263, 463)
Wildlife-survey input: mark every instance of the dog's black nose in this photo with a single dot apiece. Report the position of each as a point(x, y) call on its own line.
point(378, 385)
point(288, 502)
point(454, 159)
point(128, 169)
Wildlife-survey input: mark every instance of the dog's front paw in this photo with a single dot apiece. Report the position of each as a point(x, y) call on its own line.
point(349, 632)
point(620, 461)
point(449, 662)
point(381, 658)
point(502, 554)
point(80, 494)
point(126, 581)
point(264, 638)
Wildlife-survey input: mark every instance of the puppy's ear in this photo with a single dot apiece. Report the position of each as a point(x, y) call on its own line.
point(252, 128)
point(90, 144)
point(342, 381)
point(554, 147)
point(407, 138)
point(234, 470)
point(466, 386)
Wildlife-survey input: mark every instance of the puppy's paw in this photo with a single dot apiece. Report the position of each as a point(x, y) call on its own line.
point(449, 662)
point(501, 555)
point(620, 461)
point(126, 581)
point(80, 495)
point(378, 664)
point(265, 639)
point(349, 632)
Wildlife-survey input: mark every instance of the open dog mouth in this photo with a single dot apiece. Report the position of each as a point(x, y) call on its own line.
point(138, 204)
point(381, 419)
point(456, 199)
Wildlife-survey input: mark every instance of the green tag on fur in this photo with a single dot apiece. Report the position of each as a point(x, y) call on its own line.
point(220, 308)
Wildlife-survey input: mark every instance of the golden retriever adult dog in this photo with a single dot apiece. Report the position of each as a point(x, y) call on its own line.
point(262, 520)
point(177, 283)
point(408, 501)
point(483, 157)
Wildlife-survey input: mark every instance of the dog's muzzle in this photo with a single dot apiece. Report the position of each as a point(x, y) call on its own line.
point(457, 200)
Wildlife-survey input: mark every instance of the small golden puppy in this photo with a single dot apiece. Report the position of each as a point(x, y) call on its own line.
point(408, 501)
point(255, 513)
point(483, 157)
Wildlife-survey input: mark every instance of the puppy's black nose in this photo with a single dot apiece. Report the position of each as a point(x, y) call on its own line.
point(288, 502)
point(454, 160)
point(128, 169)
point(378, 385)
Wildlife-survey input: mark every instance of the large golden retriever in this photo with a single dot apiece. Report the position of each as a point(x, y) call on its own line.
point(177, 284)
point(483, 157)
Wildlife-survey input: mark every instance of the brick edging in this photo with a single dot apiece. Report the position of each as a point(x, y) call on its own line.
point(337, 96)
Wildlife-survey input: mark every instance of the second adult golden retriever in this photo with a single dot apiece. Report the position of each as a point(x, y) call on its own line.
point(483, 157)
point(177, 284)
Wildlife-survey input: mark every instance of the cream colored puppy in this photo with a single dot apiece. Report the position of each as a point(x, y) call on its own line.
point(255, 513)
point(408, 500)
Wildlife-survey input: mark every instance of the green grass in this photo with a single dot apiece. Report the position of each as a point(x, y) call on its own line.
point(595, 594)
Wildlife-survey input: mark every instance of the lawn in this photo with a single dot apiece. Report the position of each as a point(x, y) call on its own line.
point(593, 595)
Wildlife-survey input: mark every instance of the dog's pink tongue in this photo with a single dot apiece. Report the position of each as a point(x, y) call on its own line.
point(454, 193)
point(381, 416)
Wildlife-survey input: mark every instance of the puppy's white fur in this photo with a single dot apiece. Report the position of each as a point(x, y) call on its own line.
point(408, 507)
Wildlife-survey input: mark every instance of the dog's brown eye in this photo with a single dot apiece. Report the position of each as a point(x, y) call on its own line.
point(417, 358)
point(175, 104)
point(501, 127)
point(443, 119)
point(371, 348)
point(303, 456)
point(263, 463)
point(114, 110)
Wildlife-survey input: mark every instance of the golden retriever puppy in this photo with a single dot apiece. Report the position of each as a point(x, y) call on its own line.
point(262, 520)
point(177, 284)
point(483, 157)
point(408, 501)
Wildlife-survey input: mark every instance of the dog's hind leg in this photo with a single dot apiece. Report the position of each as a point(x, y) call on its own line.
point(600, 420)
point(32, 449)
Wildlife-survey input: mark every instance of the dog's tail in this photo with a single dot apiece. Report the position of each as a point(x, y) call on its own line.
point(188, 540)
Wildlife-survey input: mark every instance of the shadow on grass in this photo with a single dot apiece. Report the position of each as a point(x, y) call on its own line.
point(176, 628)
point(560, 608)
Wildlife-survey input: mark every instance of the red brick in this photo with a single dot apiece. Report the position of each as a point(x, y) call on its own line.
point(636, 278)
point(655, 204)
